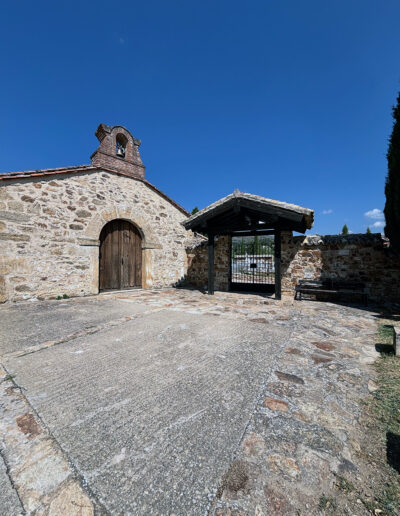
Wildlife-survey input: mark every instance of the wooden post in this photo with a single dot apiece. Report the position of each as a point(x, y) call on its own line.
point(230, 264)
point(210, 263)
point(278, 286)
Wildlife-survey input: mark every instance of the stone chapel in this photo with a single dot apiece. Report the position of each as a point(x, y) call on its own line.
point(77, 230)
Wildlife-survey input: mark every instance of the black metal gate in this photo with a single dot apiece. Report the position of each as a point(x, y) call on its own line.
point(253, 263)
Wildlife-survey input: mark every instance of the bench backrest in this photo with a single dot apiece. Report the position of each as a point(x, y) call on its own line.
point(348, 285)
point(315, 283)
point(332, 284)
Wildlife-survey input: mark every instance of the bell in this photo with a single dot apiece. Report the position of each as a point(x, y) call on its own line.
point(120, 152)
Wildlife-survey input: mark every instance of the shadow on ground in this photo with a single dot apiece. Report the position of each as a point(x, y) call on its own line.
point(384, 349)
point(393, 450)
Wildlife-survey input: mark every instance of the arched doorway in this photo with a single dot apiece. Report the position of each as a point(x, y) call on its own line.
point(120, 256)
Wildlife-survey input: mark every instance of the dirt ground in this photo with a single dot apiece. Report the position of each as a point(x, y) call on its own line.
point(175, 402)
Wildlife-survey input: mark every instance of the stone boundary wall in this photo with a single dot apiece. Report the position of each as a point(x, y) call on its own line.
point(364, 258)
point(197, 261)
point(50, 228)
point(360, 257)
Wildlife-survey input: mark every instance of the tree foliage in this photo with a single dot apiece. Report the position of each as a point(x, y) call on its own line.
point(195, 210)
point(345, 230)
point(253, 245)
point(392, 186)
point(368, 231)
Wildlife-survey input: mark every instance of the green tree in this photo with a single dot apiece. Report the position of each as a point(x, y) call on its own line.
point(195, 210)
point(392, 186)
point(256, 245)
point(345, 230)
point(368, 231)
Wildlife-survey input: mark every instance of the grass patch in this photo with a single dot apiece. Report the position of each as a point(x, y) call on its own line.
point(326, 502)
point(8, 378)
point(344, 485)
point(376, 490)
point(387, 397)
point(386, 333)
point(384, 408)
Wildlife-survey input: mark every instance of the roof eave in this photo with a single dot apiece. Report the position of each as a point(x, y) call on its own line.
point(302, 217)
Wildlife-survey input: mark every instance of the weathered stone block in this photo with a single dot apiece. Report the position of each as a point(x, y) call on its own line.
point(16, 206)
point(14, 237)
point(14, 217)
point(89, 241)
point(3, 294)
point(83, 214)
point(23, 288)
point(27, 198)
point(16, 264)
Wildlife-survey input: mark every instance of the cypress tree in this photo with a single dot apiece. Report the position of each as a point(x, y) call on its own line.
point(345, 230)
point(195, 210)
point(368, 231)
point(392, 186)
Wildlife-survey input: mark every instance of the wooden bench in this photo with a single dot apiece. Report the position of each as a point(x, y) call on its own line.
point(330, 287)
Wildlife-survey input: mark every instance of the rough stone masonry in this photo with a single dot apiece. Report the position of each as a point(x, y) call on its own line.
point(359, 257)
point(50, 222)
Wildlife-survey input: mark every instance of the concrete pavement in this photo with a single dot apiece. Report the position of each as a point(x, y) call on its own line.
point(173, 402)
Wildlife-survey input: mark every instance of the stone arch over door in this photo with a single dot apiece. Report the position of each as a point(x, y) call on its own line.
point(150, 241)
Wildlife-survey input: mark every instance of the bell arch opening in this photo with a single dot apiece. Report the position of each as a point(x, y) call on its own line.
point(121, 142)
point(120, 256)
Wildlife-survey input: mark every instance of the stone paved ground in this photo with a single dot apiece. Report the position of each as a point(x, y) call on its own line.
point(173, 402)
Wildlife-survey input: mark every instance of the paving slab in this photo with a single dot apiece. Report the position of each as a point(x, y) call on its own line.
point(24, 325)
point(9, 501)
point(151, 412)
point(175, 402)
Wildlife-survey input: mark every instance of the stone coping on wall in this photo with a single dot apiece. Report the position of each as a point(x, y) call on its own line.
point(343, 240)
point(316, 240)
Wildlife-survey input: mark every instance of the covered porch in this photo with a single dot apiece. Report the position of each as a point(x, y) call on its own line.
point(243, 215)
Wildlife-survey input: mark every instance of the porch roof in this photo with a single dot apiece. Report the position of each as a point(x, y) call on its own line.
point(246, 212)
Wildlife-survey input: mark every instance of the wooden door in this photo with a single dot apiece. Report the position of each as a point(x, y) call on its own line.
point(120, 256)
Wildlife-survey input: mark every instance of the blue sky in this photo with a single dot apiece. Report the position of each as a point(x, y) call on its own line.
point(290, 100)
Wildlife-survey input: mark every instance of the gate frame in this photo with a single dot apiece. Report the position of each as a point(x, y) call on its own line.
point(273, 288)
point(242, 213)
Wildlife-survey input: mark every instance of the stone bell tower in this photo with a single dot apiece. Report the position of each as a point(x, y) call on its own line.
point(118, 150)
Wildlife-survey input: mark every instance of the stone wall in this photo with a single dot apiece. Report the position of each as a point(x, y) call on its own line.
point(50, 226)
point(197, 271)
point(364, 258)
